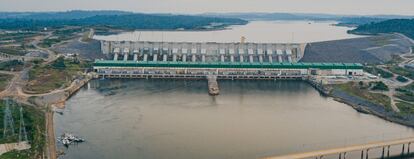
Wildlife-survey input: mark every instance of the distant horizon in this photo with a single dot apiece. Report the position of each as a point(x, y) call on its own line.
point(335, 7)
point(183, 13)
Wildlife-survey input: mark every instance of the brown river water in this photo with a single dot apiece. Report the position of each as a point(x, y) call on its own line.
point(177, 119)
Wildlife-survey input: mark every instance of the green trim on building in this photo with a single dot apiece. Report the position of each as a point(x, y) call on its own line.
point(300, 65)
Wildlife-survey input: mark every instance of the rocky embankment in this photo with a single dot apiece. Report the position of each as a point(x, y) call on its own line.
point(368, 107)
point(373, 49)
point(88, 50)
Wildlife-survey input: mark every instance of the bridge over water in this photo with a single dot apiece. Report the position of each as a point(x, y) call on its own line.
point(384, 146)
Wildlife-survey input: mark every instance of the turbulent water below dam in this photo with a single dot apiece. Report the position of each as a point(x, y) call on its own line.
point(178, 119)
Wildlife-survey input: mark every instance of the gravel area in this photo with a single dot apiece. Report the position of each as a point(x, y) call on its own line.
point(89, 50)
point(373, 50)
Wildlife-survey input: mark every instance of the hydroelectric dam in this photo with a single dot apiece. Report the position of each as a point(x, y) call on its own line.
point(143, 59)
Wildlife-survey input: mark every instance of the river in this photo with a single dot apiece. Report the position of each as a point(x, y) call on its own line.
point(177, 119)
point(256, 31)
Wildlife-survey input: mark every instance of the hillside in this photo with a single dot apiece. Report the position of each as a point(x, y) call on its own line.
point(121, 21)
point(404, 26)
point(372, 50)
point(75, 14)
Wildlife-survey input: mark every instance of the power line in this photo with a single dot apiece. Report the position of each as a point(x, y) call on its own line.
point(8, 129)
point(22, 129)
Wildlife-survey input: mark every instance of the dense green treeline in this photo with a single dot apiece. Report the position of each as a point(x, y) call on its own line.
point(403, 26)
point(125, 21)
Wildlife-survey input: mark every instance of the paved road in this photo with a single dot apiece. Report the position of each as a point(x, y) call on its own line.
point(393, 83)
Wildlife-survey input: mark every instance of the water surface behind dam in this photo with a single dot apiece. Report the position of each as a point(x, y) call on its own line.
point(177, 119)
point(255, 31)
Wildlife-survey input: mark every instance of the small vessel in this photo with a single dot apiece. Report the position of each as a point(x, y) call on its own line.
point(68, 139)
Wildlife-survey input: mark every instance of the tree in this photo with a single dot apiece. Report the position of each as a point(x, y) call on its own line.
point(59, 63)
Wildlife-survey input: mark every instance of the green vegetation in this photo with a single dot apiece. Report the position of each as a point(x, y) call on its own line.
point(380, 86)
point(59, 63)
point(45, 78)
point(13, 50)
point(14, 65)
point(406, 96)
point(402, 79)
point(404, 26)
point(405, 107)
point(18, 37)
point(4, 81)
point(401, 71)
point(60, 35)
point(125, 21)
point(376, 71)
point(35, 126)
point(410, 87)
point(355, 89)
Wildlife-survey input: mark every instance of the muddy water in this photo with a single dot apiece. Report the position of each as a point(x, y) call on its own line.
point(178, 119)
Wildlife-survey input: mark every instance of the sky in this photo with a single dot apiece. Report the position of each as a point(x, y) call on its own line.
point(355, 7)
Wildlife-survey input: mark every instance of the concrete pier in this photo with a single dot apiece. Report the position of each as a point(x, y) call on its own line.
point(213, 88)
point(155, 58)
point(116, 57)
point(279, 57)
point(126, 57)
point(174, 58)
point(135, 57)
point(145, 57)
point(184, 58)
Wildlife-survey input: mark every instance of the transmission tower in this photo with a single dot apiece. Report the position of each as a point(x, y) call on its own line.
point(22, 129)
point(8, 119)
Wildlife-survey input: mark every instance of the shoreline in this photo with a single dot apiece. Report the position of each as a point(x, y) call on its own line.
point(366, 107)
point(361, 108)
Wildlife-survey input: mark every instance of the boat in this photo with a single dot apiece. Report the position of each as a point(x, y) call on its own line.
point(67, 139)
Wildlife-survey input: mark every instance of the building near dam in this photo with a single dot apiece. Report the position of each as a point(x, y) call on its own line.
point(223, 60)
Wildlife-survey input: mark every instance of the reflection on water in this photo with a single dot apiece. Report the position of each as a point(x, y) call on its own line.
point(178, 119)
point(256, 31)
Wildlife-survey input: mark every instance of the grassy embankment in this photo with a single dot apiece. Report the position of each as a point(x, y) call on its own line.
point(363, 91)
point(405, 94)
point(35, 126)
point(16, 43)
point(4, 81)
point(45, 78)
point(401, 71)
point(376, 71)
point(13, 65)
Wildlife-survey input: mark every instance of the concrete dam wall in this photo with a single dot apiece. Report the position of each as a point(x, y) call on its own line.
point(203, 52)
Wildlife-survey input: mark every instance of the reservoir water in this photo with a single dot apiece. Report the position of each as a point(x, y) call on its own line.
point(169, 119)
point(177, 119)
point(256, 31)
